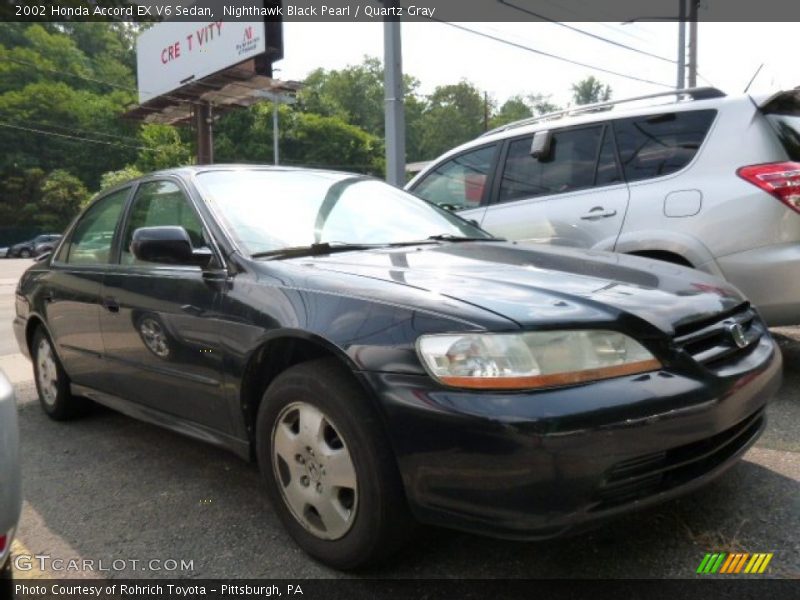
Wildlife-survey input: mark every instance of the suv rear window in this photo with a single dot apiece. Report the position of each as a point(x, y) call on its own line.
point(655, 145)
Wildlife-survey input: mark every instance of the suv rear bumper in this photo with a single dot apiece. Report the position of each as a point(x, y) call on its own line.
point(768, 277)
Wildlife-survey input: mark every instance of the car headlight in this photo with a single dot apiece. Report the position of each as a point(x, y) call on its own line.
point(532, 359)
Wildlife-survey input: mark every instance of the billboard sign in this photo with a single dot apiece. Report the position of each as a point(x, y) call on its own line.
point(172, 54)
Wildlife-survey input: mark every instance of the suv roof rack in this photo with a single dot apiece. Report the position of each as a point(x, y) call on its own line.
point(697, 93)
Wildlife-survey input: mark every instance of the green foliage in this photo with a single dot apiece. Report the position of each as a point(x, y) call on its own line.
point(590, 90)
point(162, 148)
point(305, 139)
point(114, 178)
point(319, 141)
point(521, 107)
point(454, 115)
point(62, 195)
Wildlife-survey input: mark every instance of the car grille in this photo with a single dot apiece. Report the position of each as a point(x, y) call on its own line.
point(723, 339)
point(657, 472)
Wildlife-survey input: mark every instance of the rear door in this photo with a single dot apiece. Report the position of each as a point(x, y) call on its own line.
point(574, 196)
point(73, 291)
point(159, 320)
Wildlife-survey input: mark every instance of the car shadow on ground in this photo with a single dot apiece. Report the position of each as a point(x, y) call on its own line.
point(109, 487)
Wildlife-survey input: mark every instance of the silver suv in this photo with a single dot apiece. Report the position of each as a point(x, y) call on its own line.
point(694, 177)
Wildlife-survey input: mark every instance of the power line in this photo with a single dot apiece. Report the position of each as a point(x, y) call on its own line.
point(586, 33)
point(78, 130)
point(553, 56)
point(72, 137)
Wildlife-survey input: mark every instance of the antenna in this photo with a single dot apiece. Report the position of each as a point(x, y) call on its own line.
point(753, 78)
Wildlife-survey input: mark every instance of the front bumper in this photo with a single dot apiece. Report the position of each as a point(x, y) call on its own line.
point(537, 465)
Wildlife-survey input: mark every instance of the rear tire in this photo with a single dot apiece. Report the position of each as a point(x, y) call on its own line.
point(52, 382)
point(330, 474)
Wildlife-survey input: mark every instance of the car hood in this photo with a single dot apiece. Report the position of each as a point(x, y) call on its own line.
point(535, 284)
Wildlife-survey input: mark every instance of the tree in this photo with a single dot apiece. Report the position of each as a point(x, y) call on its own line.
point(163, 148)
point(61, 199)
point(454, 115)
point(590, 90)
point(355, 95)
point(513, 109)
point(113, 178)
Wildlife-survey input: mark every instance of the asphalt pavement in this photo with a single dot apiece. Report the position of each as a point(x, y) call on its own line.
point(122, 493)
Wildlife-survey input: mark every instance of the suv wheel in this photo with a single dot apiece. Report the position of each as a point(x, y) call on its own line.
point(329, 473)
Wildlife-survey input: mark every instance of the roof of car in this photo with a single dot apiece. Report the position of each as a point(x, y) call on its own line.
point(194, 169)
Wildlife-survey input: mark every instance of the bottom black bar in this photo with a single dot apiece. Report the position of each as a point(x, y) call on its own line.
point(423, 589)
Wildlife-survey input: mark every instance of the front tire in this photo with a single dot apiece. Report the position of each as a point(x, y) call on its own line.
point(24, 253)
point(329, 471)
point(52, 382)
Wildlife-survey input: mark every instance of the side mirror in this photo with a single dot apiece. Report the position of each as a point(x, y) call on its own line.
point(541, 145)
point(168, 245)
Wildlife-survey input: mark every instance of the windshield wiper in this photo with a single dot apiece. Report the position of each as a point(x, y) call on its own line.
point(448, 237)
point(451, 237)
point(314, 250)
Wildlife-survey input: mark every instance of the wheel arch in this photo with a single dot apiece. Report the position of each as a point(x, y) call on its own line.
point(667, 243)
point(35, 321)
point(275, 355)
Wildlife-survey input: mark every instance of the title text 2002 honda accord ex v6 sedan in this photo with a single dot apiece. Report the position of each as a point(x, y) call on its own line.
point(385, 361)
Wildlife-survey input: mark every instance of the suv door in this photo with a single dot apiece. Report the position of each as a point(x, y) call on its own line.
point(460, 183)
point(73, 287)
point(159, 326)
point(574, 196)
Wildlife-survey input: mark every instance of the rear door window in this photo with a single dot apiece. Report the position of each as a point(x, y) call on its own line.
point(656, 145)
point(90, 242)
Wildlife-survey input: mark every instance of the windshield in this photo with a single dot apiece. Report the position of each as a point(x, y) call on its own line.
point(272, 210)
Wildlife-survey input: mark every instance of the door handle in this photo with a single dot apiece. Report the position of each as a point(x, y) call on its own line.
point(110, 304)
point(598, 212)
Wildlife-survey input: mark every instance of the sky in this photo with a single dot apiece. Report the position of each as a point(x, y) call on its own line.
point(437, 54)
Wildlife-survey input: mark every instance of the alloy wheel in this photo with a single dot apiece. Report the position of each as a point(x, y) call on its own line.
point(314, 471)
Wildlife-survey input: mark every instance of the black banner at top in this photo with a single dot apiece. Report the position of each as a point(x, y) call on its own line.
point(406, 10)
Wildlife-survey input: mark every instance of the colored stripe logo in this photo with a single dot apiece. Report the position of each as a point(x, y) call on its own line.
point(733, 563)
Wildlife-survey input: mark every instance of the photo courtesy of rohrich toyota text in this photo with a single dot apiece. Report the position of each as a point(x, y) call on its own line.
point(402, 299)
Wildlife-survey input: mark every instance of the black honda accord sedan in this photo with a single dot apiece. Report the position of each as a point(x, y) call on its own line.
point(388, 363)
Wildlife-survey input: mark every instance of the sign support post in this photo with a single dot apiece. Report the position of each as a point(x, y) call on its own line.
point(203, 121)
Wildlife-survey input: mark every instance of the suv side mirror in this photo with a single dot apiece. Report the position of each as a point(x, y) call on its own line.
point(541, 145)
point(168, 245)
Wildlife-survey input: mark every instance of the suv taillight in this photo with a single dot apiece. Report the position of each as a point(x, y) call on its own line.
point(782, 180)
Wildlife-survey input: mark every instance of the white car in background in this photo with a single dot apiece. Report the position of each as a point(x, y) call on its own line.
point(10, 488)
point(693, 177)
